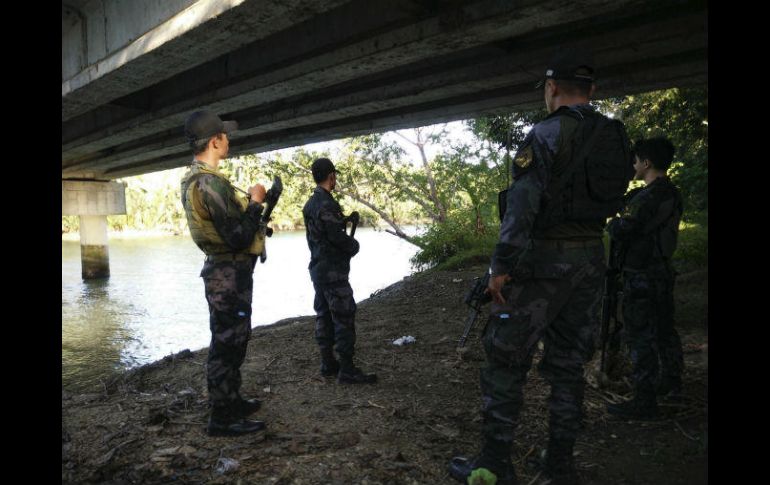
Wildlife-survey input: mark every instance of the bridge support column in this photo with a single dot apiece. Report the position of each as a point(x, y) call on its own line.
point(93, 201)
point(94, 250)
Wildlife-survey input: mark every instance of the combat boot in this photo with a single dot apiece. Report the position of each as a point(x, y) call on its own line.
point(224, 422)
point(482, 471)
point(329, 365)
point(559, 463)
point(330, 369)
point(245, 407)
point(350, 374)
point(355, 375)
point(640, 407)
point(669, 387)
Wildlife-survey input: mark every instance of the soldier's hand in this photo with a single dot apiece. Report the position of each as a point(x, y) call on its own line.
point(495, 287)
point(257, 193)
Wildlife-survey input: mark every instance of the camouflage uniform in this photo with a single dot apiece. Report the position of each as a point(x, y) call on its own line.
point(227, 275)
point(554, 294)
point(646, 233)
point(330, 252)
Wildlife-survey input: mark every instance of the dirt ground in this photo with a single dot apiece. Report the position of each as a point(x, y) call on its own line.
point(148, 426)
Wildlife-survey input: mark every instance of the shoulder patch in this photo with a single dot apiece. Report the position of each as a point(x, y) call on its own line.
point(523, 158)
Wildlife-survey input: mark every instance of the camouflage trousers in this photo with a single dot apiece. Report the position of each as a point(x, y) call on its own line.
point(335, 311)
point(555, 296)
point(648, 314)
point(228, 288)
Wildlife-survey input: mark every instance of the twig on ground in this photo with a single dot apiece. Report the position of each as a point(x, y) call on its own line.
point(535, 478)
point(108, 456)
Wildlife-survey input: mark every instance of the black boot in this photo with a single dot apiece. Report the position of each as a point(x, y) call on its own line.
point(329, 365)
point(354, 375)
point(330, 369)
point(350, 374)
point(559, 463)
point(224, 422)
point(246, 407)
point(640, 407)
point(487, 471)
point(669, 387)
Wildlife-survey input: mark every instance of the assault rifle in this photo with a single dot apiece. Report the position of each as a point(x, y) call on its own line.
point(271, 199)
point(475, 299)
point(353, 218)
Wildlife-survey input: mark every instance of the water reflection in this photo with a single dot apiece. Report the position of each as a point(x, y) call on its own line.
point(153, 304)
point(94, 334)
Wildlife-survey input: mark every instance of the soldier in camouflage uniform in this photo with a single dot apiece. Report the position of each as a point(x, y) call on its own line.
point(546, 274)
point(223, 230)
point(646, 234)
point(330, 251)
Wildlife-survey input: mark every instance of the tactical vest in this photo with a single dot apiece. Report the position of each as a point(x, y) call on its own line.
point(202, 230)
point(658, 238)
point(590, 188)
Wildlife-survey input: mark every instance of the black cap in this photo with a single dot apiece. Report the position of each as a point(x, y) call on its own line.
point(202, 125)
point(571, 64)
point(321, 169)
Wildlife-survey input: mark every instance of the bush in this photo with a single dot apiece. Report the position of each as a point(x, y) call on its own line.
point(692, 249)
point(455, 242)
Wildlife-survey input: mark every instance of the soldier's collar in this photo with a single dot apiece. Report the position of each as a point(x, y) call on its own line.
point(205, 168)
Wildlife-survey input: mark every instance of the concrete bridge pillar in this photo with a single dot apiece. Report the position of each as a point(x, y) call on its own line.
point(92, 202)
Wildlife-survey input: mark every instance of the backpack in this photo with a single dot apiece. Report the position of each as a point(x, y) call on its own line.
point(590, 188)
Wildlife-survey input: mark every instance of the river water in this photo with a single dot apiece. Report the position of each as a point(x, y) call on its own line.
point(153, 303)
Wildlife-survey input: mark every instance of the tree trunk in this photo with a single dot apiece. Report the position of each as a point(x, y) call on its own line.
point(420, 144)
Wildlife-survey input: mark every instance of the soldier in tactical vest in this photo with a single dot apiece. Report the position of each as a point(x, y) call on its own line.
point(224, 227)
point(646, 234)
point(331, 249)
point(569, 176)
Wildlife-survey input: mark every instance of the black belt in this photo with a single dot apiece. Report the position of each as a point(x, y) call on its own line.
point(219, 258)
point(565, 243)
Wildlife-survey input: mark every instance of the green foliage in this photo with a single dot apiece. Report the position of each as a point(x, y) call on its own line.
point(506, 130)
point(455, 241)
point(692, 249)
point(70, 224)
point(153, 203)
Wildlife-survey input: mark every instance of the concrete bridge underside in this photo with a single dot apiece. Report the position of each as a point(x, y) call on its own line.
point(299, 71)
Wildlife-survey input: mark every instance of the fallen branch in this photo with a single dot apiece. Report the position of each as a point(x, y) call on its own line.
point(108, 456)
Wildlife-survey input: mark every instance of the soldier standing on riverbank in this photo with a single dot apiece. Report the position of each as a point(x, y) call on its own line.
point(569, 176)
point(646, 234)
point(224, 230)
point(331, 249)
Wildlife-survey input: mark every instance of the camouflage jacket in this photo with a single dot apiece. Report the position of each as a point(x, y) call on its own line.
point(646, 231)
point(547, 147)
point(330, 247)
point(221, 225)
